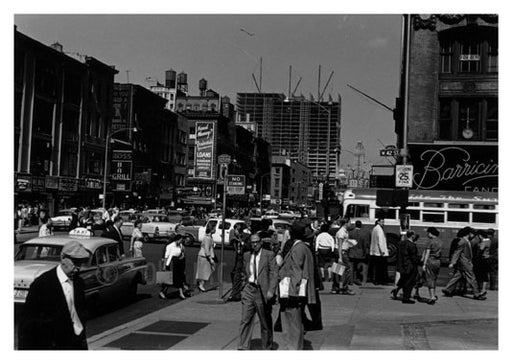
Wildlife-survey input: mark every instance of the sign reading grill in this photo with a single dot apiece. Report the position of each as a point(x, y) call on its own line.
point(235, 184)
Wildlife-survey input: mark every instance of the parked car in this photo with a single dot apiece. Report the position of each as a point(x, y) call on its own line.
point(63, 219)
point(228, 228)
point(107, 275)
point(154, 226)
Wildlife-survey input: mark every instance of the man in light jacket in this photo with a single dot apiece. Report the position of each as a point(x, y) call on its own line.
point(378, 269)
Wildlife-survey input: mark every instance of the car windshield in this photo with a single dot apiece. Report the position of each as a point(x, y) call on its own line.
point(154, 218)
point(39, 252)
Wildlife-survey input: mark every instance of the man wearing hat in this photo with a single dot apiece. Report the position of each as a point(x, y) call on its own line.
point(54, 312)
point(258, 294)
point(462, 261)
point(298, 266)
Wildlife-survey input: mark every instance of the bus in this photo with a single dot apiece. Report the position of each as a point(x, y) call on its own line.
point(448, 211)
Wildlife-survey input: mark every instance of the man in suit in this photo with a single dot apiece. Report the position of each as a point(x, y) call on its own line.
point(358, 253)
point(114, 232)
point(54, 312)
point(407, 264)
point(298, 265)
point(462, 262)
point(258, 294)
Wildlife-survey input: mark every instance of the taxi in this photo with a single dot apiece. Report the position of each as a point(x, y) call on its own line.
point(107, 275)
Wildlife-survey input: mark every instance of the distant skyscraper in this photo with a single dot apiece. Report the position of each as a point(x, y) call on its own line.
point(304, 130)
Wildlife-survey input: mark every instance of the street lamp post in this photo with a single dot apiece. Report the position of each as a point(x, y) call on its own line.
point(107, 139)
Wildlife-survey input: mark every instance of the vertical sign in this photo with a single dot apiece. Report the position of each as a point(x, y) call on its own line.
point(121, 170)
point(236, 184)
point(205, 144)
point(403, 176)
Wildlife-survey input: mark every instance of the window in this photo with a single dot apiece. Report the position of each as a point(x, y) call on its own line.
point(43, 116)
point(358, 210)
point(433, 216)
point(69, 162)
point(469, 56)
point(484, 217)
point(415, 214)
point(446, 57)
point(484, 207)
point(468, 119)
point(433, 204)
point(70, 124)
point(113, 252)
point(492, 57)
point(458, 216)
point(458, 205)
point(385, 213)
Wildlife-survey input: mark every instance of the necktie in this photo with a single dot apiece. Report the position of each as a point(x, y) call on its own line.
point(77, 325)
point(254, 269)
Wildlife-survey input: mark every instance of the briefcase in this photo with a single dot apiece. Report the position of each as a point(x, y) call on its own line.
point(164, 277)
point(337, 268)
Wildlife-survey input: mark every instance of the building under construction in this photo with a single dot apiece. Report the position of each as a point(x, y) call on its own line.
point(305, 130)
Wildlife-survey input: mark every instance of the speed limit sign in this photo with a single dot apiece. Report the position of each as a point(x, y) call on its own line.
point(403, 176)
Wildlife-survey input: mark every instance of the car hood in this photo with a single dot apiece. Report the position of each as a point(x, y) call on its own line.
point(63, 217)
point(25, 272)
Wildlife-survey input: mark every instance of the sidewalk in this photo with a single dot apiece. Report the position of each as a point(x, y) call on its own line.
point(369, 320)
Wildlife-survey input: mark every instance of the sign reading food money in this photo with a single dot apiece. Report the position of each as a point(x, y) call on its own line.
point(205, 148)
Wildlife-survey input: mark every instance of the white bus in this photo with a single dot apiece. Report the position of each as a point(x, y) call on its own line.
point(448, 211)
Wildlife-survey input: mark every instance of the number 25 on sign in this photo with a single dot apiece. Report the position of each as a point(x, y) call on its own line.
point(403, 176)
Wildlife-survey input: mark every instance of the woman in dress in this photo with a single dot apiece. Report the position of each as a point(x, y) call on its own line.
point(432, 262)
point(174, 260)
point(205, 258)
point(136, 234)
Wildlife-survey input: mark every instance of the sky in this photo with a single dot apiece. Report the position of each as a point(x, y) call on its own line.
point(225, 49)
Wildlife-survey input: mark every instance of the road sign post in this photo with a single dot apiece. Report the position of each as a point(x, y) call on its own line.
point(223, 161)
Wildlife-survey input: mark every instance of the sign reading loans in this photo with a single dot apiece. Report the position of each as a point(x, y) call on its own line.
point(403, 176)
point(236, 184)
point(205, 143)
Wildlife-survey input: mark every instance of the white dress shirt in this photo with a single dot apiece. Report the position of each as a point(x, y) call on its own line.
point(254, 275)
point(69, 294)
point(379, 245)
point(324, 241)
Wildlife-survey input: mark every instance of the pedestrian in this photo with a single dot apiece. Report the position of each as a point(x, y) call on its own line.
point(206, 258)
point(344, 244)
point(258, 294)
point(136, 234)
point(493, 252)
point(298, 269)
point(174, 260)
point(268, 236)
point(378, 270)
point(358, 254)
point(407, 265)
point(46, 228)
point(462, 261)
point(460, 288)
point(54, 312)
point(325, 250)
point(238, 274)
point(482, 259)
point(114, 232)
point(431, 262)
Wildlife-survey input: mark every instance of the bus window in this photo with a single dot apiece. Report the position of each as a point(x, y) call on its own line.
point(415, 214)
point(483, 217)
point(433, 216)
point(458, 216)
point(385, 213)
point(358, 211)
point(433, 204)
point(483, 207)
point(458, 206)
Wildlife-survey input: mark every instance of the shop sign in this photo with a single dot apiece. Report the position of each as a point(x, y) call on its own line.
point(38, 183)
point(23, 182)
point(455, 167)
point(204, 150)
point(67, 184)
point(121, 170)
point(93, 184)
point(51, 182)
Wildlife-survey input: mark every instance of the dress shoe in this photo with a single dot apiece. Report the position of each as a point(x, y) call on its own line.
point(408, 301)
point(201, 289)
point(480, 297)
point(334, 291)
point(162, 295)
point(447, 293)
point(394, 293)
point(348, 292)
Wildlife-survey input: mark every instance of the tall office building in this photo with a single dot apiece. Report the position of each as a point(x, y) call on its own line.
point(307, 131)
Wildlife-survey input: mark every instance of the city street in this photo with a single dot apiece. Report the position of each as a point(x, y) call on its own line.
point(148, 302)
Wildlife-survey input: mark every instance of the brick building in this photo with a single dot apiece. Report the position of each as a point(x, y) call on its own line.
point(449, 94)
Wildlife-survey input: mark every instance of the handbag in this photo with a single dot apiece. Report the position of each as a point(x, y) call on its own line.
point(164, 277)
point(337, 268)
